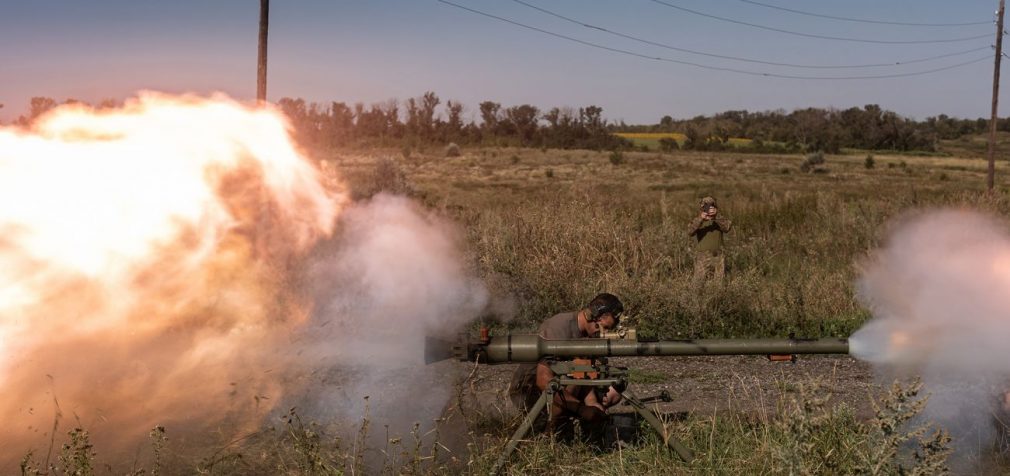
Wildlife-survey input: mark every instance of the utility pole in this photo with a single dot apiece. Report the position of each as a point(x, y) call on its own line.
point(261, 69)
point(261, 237)
point(990, 178)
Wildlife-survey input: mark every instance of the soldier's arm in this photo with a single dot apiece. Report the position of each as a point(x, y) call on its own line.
point(695, 225)
point(566, 398)
point(544, 375)
point(724, 224)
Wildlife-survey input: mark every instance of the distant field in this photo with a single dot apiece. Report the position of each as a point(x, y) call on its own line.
point(651, 139)
point(976, 146)
point(652, 135)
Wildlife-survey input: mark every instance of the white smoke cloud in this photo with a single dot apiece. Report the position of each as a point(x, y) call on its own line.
point(394, 274)
point(938, 292)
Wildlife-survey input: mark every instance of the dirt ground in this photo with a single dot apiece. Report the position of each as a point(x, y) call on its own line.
point(712, 384)
point(699, 386)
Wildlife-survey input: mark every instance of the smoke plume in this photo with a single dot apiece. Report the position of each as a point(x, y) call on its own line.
point(937, 292)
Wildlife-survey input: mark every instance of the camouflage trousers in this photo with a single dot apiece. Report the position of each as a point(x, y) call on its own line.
point(709, 265)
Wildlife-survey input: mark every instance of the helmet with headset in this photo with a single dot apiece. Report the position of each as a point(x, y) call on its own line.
point(602, 304)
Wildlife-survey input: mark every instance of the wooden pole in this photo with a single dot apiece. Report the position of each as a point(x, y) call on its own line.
point(261, 236)
point(990, 177)
point(261, 69)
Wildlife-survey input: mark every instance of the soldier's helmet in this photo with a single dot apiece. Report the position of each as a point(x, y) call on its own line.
point(605, 303)
point(708, 203)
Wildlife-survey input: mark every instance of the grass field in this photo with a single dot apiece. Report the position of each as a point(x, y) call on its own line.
point(548, 229)
point(552, 228)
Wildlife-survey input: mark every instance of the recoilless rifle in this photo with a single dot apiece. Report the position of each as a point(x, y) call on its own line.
point(593, 370)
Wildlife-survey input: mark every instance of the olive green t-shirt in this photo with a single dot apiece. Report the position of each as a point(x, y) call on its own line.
point(709, 233)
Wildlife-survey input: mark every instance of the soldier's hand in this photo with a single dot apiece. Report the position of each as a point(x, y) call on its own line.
point(611, 398)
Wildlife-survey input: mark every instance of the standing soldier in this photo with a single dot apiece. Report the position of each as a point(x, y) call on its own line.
point(708, 228)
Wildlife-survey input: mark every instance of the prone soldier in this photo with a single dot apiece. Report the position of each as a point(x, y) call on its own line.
point(530, 380)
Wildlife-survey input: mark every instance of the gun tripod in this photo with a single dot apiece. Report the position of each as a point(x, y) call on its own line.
point(603, 376)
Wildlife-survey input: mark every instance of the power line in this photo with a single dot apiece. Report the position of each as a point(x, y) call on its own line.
point(698, 65)
point(860, 20)
point(811, 35)
point(746, 60)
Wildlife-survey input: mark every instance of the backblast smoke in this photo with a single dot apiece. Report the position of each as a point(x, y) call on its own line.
point(938, 294)
point(179, 262)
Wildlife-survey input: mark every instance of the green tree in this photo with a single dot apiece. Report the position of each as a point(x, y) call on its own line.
point(489, 115)
point(522, 120)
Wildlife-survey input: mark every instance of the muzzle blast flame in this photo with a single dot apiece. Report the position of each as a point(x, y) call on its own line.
point(145, 265)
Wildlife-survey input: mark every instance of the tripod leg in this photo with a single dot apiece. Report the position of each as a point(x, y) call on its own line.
point(523, 429)
point(650, 416)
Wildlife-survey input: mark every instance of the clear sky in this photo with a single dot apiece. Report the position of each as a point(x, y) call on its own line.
point(371, 51)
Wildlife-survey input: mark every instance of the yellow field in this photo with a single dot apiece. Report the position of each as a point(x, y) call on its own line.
point(651, 139)
point(652, 135)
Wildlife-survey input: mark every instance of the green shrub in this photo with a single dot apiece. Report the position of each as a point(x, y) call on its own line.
point(452, 150)
point(668, 144)
point(387, 176)
point(616, 157)
point(812, 162)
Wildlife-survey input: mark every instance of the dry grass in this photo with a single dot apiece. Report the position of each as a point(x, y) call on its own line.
point(805, 435)
point(552, 228)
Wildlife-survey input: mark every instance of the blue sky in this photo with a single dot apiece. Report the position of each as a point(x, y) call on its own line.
point(358, 51)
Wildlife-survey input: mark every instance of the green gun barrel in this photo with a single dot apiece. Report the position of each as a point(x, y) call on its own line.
point(532, 348)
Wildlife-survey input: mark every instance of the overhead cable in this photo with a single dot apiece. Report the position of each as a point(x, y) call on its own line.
point(811, 35)
point(861, 20)
point(746, 60)
point(709, 67)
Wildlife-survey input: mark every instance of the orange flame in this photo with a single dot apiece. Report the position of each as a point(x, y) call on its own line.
point(145, 263)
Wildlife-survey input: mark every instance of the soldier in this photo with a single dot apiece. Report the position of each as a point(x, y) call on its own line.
point(530, 380)
point(708, 227)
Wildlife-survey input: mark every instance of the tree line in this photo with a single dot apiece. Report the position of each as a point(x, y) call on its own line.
point(420, 121)
point(425, 120)
point(816, 129)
